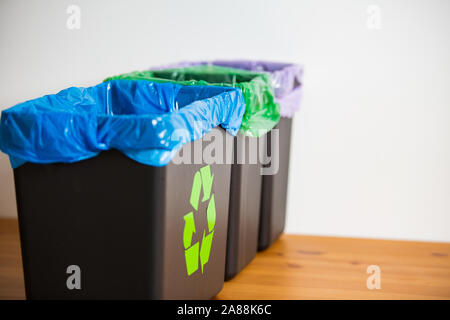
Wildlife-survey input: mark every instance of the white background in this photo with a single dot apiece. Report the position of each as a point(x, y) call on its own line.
point(371, 144)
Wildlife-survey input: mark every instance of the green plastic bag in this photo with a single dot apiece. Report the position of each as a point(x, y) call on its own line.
point(262, 113)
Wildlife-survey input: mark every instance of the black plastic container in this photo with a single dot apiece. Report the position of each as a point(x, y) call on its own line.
point(245, 195)
point(118, 227)
point(274, 187)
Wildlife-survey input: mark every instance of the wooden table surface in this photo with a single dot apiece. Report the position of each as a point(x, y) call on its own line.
point(303, 267)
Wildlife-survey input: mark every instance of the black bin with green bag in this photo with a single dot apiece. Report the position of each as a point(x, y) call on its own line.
point(262, 113)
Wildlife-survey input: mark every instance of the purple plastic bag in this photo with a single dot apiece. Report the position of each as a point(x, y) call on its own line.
point(286, 79)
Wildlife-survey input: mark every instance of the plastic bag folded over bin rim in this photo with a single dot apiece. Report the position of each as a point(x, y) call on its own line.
point(286, 78)
point(147, 121)
point(262, 112)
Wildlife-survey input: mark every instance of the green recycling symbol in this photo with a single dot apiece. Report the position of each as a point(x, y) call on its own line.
point(202, 180)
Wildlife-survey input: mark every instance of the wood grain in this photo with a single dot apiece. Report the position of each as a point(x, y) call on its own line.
point(11, 272)
point(302, 267)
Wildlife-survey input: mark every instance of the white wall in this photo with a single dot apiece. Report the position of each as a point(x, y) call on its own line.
point(371, 150)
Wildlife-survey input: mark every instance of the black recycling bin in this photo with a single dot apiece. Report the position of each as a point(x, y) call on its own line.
point(122, 223)
point(245, 194)
point(261, 114)
point(275, 186)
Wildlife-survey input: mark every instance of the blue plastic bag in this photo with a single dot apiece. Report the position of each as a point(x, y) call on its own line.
point(147, 121)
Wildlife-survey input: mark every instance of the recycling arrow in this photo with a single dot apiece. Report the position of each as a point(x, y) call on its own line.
point(203, 180)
